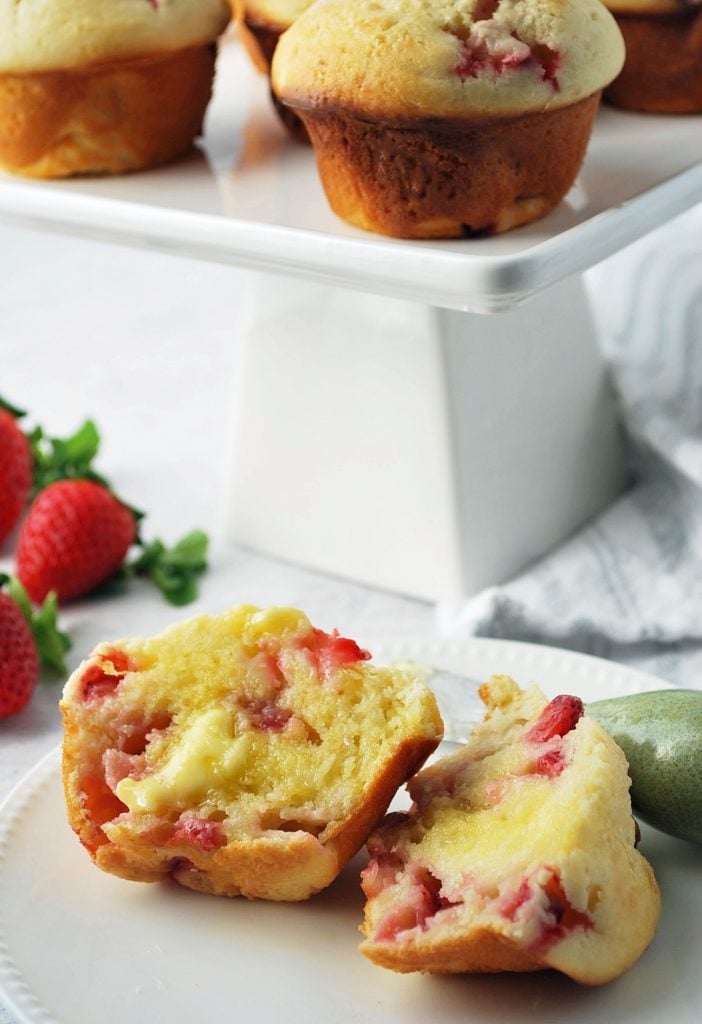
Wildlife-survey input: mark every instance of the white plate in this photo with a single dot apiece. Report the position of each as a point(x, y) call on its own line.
point(80, 947)
point(252, 198)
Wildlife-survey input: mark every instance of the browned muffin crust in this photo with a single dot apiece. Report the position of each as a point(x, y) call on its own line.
point(662, 73)
point(260, 39)
point(452, 178)
point(104, 119)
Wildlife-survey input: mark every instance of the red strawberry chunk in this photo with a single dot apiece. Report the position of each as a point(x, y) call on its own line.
point(476, 59)
point(563, 917)
point(330, 651)
point(205, 835)
point(558, 718)
point(496, 52)
point(121, 662)
point(101, 679)
point(511, 904)
point(339, 650)
point(550, 764)
point(95, 683)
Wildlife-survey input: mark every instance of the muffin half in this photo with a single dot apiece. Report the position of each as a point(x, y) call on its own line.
point(247, 753)
point(518, 853)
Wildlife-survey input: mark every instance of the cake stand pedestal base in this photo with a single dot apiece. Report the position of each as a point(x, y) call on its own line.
point(422, 450)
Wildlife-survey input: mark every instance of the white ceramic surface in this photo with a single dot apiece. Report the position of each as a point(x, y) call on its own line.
point(425, 451)
point(78, 946)
point(253, 199)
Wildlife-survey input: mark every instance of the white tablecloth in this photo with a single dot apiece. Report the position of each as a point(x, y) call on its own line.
point(629, 586)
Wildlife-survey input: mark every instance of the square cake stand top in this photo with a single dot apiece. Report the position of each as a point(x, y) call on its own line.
point(252, 198)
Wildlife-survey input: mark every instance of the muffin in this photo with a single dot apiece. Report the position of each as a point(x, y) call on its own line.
point(262, 23)
point(103, 86)
point(246, 753)
point(439, 118)
point(518, 853)
point(662, 72)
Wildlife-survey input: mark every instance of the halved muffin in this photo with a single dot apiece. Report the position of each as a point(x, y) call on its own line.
point(518, 854)
point(246, 753)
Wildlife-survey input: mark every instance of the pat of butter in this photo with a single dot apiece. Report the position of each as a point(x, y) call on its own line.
point(206, 758)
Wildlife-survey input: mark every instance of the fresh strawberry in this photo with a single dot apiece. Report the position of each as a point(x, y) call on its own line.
point(26, 641)
point(76, 536)
point(15, 470)
point(19, 660)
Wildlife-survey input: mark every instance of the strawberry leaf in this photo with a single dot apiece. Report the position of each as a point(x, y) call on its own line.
point(80, 448)
point(12, 409)
point(20, 597)
point(68, 458)
point(174, 570)
point(51, 643)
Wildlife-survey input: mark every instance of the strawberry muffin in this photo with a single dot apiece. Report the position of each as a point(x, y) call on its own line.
point(262, 24)
point(247, 753)
point(435, 118)
point(518, 853)
point(662, 73)
point(103, 86)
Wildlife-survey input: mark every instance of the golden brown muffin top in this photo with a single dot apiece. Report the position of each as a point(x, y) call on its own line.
point(49, 35)
point(276, 13)
point(447, 58)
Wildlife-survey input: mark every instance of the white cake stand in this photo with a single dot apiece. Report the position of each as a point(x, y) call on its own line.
point(386, 429)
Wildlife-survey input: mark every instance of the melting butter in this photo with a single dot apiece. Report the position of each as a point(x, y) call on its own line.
point(207, 758)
